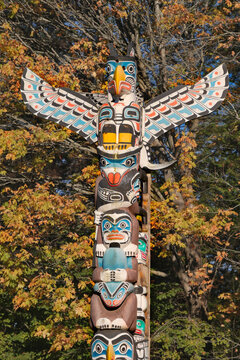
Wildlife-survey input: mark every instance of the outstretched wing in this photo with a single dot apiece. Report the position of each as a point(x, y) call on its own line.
point(64, 106)
point(185, 103)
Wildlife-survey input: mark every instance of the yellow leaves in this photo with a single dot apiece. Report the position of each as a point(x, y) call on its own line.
point(14, 9)
point(187, 144)
point(42, 247)
point(42, 331)
point(13, 144)
point(89, 175)
point(225, 296)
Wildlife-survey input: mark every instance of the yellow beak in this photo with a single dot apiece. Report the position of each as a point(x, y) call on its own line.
point(119, 76)
point(110, 353)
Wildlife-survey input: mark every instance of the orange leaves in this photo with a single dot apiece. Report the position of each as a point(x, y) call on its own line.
point(86, 58)
point(187, 145)
point(89, 174)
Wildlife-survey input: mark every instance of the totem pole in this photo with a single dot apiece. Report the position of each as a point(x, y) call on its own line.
point(123, 129)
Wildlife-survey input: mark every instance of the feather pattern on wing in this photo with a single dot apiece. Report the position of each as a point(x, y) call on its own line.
point(64, 106)
point(185, 103)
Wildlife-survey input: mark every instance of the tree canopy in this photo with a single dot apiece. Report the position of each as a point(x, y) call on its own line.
point(47, 176)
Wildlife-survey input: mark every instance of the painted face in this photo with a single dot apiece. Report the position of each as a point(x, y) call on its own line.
point(116, 227)
point(121, 76)
point(119, 127)
point(108, 345)
point(142, 248)
point(115, 169)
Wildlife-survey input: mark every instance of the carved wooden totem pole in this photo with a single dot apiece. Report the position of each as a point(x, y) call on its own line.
point(123, 130)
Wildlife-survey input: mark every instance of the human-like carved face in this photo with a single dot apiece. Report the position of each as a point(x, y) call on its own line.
point(116, 227)
point(113, 344)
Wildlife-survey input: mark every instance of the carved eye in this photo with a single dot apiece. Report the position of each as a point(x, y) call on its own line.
point(107, 226)
point(123, 348)
point(129, 161)
point(130, 69)
point(108, 68)
point(98, 348)
point(103, 162)
point(123, 225)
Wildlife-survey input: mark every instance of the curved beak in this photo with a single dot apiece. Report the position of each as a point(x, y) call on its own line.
point(119, 76)
point(110, 353)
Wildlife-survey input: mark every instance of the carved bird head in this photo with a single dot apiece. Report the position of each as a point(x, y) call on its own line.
point(121, 72)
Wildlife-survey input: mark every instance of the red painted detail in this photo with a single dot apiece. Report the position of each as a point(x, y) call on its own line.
point(184, 98)
point(89, 114)
point(36, 106)
point(216, 73)
point(125, 85)
point(80, 109)
point(152, 113)
point(29, 86)
point(118, 103)
point(173, 103)
point(163, 108)
point(210, 103)
point(108, 302)
point(137, 126)
point(135, 105)
point(116, 302)
point(70, 104)
point(30, 96)
point(114, 178)
point(219, 82)
point(32, 76)
point(60, 100)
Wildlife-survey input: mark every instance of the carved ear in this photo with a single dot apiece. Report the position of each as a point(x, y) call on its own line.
point(130, 50)
point(113, 51)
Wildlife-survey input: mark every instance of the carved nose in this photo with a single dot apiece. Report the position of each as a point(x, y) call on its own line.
point(114, 178)
point(110, 352)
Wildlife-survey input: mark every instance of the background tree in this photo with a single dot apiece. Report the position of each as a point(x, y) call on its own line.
point(48, 173)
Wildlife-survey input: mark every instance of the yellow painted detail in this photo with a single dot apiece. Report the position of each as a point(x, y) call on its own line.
point(109, 138)
point(119, 76)
point(110, 353)
point(125, 138)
